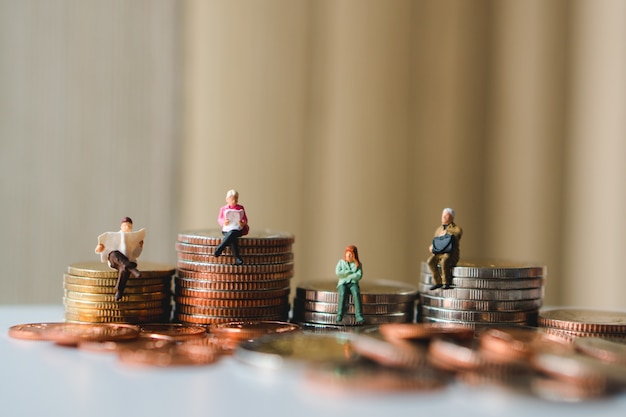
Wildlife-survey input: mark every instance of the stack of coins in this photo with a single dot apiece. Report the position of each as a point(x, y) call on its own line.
point(316, 303)
point(571, 323)
point(484, 295)
point(89, 294)
point(211, 289)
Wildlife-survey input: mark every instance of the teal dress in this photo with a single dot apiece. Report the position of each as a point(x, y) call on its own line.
point(349, 275)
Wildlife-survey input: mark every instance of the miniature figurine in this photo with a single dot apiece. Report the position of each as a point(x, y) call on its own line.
point(349, 272)
point(445, 250)
point(121, 250)
point(234, 223)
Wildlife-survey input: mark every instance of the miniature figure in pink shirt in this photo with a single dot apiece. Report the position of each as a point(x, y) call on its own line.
point(234, 223)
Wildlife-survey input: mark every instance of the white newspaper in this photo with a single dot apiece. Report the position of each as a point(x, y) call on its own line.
point(126, 242)
point(234, 217)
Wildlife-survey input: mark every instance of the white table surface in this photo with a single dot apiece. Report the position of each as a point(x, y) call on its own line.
point(43, 379)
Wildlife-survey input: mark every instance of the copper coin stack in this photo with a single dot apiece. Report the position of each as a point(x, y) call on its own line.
point(382, 301)
point(211, 289)
point(89, 294)
point(484, 294)
point(572, 323)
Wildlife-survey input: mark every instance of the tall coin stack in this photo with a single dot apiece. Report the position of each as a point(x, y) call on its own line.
point(89, 294)
point(571, 323)
point(211, 289)
point(484, 295)
point(316, 302)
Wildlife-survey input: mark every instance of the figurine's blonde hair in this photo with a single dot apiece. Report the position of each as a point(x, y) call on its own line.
point(231, 193)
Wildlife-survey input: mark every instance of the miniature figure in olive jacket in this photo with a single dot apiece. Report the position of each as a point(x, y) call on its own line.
point(444, 250)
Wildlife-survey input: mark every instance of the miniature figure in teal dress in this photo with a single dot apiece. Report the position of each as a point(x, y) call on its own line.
point(349, 272)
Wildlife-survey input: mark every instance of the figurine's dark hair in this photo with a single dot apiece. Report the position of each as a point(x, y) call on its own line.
point(355, 252)
point(127, 220)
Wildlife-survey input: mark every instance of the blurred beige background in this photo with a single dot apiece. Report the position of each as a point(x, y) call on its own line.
point(343, 122)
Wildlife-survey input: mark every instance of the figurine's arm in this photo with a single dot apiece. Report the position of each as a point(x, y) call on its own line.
point(347, 272)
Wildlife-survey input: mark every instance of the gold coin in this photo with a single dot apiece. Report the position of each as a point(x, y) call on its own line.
point(111, 282)
point(163, 296)
point(114, 306)
point(136, 319)
point(97, 269)
point(85, 312)
point(88, 289)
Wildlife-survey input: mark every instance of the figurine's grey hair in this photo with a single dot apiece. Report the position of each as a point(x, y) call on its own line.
point(231, 193)
point(449, 210)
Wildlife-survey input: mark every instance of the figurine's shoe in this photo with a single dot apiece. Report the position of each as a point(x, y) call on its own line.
point(339, 318)
point(218, 252)
point(118, 296)
point(434, 287)
point(360, 320)
point(447, 286)
point(238, 261)
point(136, 273)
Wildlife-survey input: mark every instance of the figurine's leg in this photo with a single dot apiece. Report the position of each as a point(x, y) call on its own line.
point(120, 262)
point(122, 278)
point(341, 296)
point(234, 248)
point(356, 297)
point(447, 264)
point(433, 262)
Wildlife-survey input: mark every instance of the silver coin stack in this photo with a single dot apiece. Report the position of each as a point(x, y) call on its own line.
point(316, 302)
point(483, 295)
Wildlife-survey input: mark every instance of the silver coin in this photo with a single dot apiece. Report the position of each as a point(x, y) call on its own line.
point(478, 326)
point(322, 307)
point(372, 292)
point(349, 319)
point(493, 269)
point(480, 305)
point(478, 316)
point(474, 294)
point(490, 283)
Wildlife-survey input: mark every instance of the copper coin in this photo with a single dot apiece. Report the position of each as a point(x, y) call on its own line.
point(372, 292)
point(248, 330)
point(583, 320)
point(605, 350)
point(205, 320)
point(243, 250)
point(400, 354)
point(231, 286)
point(170, 355)
point(97, 269)
point(480, 305)
point(212, 276)
point(232, 295)
point(234, 269)
point(213, 237)
point(72, 333)
point(509, 345)
point(571, 336)
point(115, 346)
point(234, 313)
point(172, 331)
point(226, 303)
point(424, 331)
point(226, 259)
